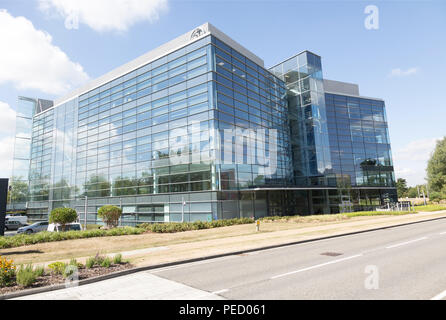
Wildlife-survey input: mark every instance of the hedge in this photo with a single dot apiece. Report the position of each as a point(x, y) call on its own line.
point(43, 237)
point(188, 226)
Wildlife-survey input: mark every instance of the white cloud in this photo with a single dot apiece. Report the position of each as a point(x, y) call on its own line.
point(7, 118)
point(411, 160)
point(6, 155)
point(417, 150)
point(30, 60)
point(106, 15)
point(403, 73)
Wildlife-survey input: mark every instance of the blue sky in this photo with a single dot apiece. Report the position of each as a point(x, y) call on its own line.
point(401, 62)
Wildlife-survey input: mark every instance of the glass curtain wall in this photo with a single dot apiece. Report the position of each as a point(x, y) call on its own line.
point(41, 164)
point(360, 148)
point(253, 133)
point(308, 121)
point(22, 154)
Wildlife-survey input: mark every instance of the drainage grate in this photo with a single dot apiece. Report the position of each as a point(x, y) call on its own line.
point(331, 254)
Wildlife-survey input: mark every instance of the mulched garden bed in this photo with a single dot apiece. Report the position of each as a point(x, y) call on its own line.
point(55, 279)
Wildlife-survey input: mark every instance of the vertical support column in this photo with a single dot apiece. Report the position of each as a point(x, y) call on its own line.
point(3, 200)
point(310, 202)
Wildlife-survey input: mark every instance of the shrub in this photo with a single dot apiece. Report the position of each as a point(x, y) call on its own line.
point(69, 270)
point(73, 262)
point(43, 237)
point(98, 259)
point(7, 272)
point(110, 215)
point(437, 196)
point(117, 259)
point(57, 267)
point(106, 263)
point(26, 276)
point(39, 271)
point(63, 216)
point(90, 263)
point(198, 225)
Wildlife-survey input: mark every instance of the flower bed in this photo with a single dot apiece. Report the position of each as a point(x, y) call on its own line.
point(29, 277)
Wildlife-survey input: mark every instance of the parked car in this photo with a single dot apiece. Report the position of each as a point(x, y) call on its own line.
point(12, 225)
point(34, 228)
point(53, 227)
point(22, 219)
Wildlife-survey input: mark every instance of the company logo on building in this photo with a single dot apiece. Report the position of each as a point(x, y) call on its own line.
point(197, 33)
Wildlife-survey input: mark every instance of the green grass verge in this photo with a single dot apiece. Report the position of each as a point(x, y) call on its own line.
point(377, 213)
point(431, 208)
point(334, 217)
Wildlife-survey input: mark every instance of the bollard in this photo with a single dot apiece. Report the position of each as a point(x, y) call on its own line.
point(258, 225)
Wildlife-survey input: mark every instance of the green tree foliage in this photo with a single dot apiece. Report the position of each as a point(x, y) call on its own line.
point(97, 186)
point(436, 169)
point(125, 186)
point(18, 190)
point(63, 216)
point(401, 186)
point(412, 192)
point(110, 215)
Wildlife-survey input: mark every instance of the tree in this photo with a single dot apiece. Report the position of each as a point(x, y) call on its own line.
point(401, 187)
point(412, 192)
point(110, 215)
point(63, 216)
point(436, 169)
point(18, 190)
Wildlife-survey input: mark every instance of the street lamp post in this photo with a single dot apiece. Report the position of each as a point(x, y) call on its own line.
point(85, 213)
point(183, 204)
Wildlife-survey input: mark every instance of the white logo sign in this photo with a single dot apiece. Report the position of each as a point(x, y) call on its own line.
point(197, 33)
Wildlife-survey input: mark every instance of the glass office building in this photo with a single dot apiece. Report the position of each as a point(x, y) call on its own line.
point(196, 129)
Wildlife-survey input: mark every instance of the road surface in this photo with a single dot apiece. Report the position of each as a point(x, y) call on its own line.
point(406, 262)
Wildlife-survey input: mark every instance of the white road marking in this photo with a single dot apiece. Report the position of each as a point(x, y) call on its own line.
point(440, 296)
point(443, 232)
point(220, 291)
point(316, 266)
point(404, 243)
point(190, 264)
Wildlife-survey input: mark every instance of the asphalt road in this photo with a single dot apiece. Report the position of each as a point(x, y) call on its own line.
point(406, 262)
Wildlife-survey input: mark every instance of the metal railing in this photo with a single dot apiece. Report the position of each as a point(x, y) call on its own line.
point(397, 206)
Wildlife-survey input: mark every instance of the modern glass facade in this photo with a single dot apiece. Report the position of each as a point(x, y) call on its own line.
point(26, 109)
point(307, 115)
point(360, 148)
point(202, 123)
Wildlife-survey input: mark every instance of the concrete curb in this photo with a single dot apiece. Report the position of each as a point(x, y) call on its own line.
point(175, 263)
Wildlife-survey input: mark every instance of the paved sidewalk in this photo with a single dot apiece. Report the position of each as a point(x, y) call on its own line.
point(138, 286)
